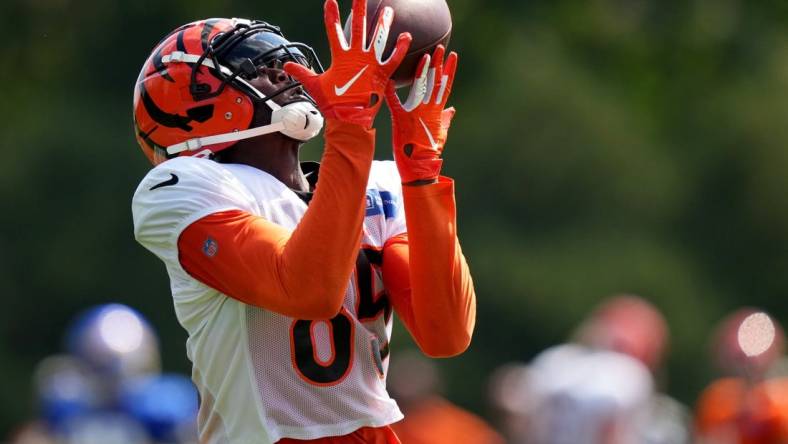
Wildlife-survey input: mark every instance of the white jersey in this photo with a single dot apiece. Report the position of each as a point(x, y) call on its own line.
point(580, 395)
point(263, 376)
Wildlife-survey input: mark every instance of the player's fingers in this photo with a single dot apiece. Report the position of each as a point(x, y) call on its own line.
point(358, 24)
point(336, 38)
point(299, 72)
point(400, 51)
point(437, 56)
point(381, 34)
point(447, 79)
point(436, 73)
point(418, 90)
point(392, 99)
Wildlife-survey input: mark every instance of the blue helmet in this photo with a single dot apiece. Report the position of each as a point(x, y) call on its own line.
point(115, 340)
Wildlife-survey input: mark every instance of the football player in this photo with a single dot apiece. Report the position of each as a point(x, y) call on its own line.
point(749, 404)
point(599, 389)
point(285, 282)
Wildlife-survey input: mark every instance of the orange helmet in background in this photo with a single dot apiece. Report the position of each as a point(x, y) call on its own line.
point(630, 325)
point(747, 406)
point(193, 98)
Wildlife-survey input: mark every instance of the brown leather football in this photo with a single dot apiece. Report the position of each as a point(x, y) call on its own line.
point(428, 21)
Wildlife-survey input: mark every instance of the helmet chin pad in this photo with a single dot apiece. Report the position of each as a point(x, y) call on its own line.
point(301, 120)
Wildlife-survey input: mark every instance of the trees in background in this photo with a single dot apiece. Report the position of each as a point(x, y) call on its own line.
point(600, 146)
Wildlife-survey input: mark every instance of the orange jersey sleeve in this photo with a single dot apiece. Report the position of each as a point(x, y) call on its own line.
point(426, 275)
point(301, 273)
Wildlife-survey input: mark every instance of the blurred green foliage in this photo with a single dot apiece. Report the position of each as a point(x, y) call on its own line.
point(600, 146)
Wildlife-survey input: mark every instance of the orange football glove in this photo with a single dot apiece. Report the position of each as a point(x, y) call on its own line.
point(353, 86)
point(420, 125)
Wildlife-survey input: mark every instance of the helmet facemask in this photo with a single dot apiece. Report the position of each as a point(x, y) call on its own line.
point(246, 48)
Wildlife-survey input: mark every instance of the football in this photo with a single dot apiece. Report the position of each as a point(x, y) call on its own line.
point(428, 22)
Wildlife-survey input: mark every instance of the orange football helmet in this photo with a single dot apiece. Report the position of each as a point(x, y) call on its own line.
point(193, 98)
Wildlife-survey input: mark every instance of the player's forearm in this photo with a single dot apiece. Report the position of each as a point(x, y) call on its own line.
point(320, 255)
point(442, 295)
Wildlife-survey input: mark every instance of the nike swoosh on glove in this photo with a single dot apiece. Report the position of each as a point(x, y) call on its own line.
point(420, 125)
point(352, 88)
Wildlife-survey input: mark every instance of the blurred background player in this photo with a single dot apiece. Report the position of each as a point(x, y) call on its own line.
point(749, 404)
point(600, 388)
point(108, 387)
point(279, 276)
point(633, 327)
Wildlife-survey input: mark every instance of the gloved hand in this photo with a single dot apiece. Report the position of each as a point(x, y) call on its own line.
point(421, 124)
point(353, 86)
